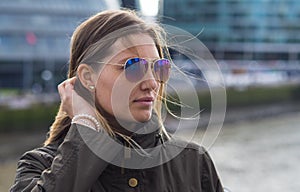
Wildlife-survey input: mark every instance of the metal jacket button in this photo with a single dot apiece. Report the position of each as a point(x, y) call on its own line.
point(132, 182)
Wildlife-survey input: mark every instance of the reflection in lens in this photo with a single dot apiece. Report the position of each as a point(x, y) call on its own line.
point(162, 70)
point(135, 69)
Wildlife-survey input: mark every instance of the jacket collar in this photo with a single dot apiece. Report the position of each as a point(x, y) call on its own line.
point(146, 134)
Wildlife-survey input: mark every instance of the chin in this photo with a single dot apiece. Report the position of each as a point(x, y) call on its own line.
point(143, 116)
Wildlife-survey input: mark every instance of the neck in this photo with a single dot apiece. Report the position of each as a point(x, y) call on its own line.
point(126, 127)
point(131, 128)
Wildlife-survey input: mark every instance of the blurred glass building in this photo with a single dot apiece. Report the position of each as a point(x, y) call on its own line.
point(243, 34)
point(268, 25)
point(34, 39)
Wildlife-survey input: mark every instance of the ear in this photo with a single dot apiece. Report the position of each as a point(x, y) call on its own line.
point(86, 76)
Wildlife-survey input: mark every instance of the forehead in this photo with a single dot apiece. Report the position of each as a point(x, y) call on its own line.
point(136, 44)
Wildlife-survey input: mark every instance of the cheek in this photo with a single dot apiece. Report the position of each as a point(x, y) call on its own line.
point(111, 93)
point(104, 87)
point(103, 95)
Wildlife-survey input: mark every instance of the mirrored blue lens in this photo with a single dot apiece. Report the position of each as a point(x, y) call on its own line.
point(135, 69)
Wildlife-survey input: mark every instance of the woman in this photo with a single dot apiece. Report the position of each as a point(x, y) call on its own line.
point(108, 134)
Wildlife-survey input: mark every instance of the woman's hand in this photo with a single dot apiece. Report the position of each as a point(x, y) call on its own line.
point(72, 103)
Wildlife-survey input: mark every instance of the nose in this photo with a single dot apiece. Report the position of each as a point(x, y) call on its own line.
point(150, 82)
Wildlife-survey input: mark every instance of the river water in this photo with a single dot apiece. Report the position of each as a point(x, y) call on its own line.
point(250, 156)
point(259, 156)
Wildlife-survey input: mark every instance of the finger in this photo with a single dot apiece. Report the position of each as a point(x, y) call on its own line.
point(60, 89)
point(65, 90)
point(68, 90)
point(72, 80)
point(69, 83)
point(59, 86)
point(68, 86)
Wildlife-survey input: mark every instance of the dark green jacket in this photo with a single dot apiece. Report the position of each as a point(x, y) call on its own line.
point(71, 165)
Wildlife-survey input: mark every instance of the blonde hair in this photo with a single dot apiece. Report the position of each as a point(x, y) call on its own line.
point(88, 34)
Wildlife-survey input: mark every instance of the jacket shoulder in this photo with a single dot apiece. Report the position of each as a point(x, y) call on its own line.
point(181, 143)
point(186, 145)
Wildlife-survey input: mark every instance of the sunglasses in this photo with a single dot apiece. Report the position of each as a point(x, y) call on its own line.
point(136, 69)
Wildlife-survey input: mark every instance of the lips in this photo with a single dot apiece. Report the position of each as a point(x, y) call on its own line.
point(144, 99)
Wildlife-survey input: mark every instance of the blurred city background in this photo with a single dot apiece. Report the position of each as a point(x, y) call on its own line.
point(256, 44)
